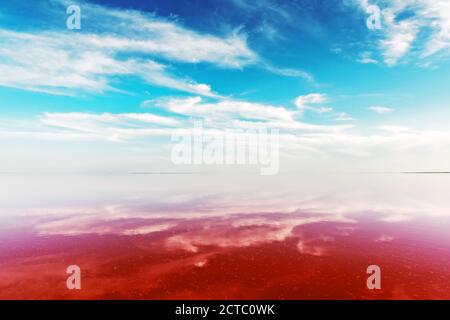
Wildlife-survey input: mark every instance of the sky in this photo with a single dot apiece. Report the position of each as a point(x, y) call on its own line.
point(107, 97)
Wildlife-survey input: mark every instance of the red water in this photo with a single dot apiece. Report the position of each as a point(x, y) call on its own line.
point(260, 256)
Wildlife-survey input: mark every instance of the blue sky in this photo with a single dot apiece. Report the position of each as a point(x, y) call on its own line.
point(312, 69)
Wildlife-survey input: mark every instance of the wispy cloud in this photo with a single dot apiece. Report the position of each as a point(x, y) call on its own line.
point(79, 120)
point(116, 43)
point(128, 43)
point(343, 116)
point(289, 72)
point(381, 109)
point(366, 58)
point(399, 38)
point(416, 28)
point(225, 109)
point(267, 6)
point(179, 115)
point(63, 64)
point(239, 113)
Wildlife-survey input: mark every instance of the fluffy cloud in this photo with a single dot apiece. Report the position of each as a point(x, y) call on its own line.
point(307, 102)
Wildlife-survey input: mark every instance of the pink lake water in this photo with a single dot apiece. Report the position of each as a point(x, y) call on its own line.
point(177, 237)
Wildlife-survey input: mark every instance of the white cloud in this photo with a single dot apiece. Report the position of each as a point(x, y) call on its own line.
point(303, 147)
point(62, 64)
point(136, 31)
point(288, 72)
point(266, 6)
point(79, 126)
point(399, 38)
point(80, 120)
point(381, 109)
point(127, 43)
point(419, 28)
point(343, 116)
point(312, 98)
point(438, 12)
point(393, 128)
point(179, 114)
point(366, 58)
point(306, 102)
point(166, 39)
point(238, 114)
point(225, 109)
